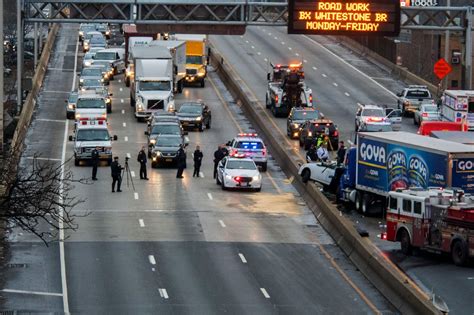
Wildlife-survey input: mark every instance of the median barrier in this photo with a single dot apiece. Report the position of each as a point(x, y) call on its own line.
point(397, 287)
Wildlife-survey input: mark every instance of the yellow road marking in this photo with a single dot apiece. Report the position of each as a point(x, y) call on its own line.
point(221, 98)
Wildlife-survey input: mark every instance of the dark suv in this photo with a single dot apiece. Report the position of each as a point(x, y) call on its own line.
point(313, 129)
point(194, 115)
point(297, 117)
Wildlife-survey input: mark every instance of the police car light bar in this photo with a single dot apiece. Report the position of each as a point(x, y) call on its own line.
point(247, 135)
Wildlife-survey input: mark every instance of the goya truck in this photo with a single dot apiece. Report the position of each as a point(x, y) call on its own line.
point(386, 161)
point(196, 58)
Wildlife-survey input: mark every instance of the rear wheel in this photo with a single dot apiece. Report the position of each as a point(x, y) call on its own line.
point(405, 242)
point(77, 162)
point(306, 175)
point(365, 203)
point(459, 253)
point(358, 201)
point(218, 182)
point(203, 83)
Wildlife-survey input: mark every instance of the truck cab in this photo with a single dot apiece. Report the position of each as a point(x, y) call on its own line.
point(196, 59)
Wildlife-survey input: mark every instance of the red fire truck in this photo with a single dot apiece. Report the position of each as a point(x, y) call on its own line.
point(436, 220)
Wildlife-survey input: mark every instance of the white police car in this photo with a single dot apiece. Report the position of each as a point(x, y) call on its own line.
point(251, 146)
point(90, 134)
point(238, 172)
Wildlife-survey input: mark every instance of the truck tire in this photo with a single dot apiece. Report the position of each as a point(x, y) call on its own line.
point(127, 82)
point(305, 175)
point(459, 253)
point(109, 162)
point(203, 83)
point(365, 203)
point(267, 103)
point(405, 242)
point(77, 162)
point(358, 201)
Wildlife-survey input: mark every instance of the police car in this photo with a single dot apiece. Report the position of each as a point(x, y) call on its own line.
point(91, 105)
point(238, 172)
point(251, 146)
point(90, 134)
point(370, 115)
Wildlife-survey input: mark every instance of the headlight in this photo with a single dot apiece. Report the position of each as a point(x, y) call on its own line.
point(70, 106)
point(108, 100)
point(296, 125)
point(228, 176)
point(102, 80)
point(199, 118)
point(153, 141)
point(81, 80)
point(77, 116)
point(81, 33)
point(201, 74)
point(107, 32)
point(87, 63)
point(310, 134)
point(256, 177)
point(157, 153)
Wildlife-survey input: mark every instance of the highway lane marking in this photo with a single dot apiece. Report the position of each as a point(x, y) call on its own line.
point(265, 293)
point(265, 59)
point(253, 47)
point(247, 41)
point(128, 155)
point(42, 158)
point(219, 95)
point(222, 223)
point(121, 101)
point(297, 55)
point(470, 278)
point(305, 61)
point(242, 257)
point(31, 292)
point(274, 183)
point(324, 75)
point(51, 120)
point(269, 34)
point(123, 111)
point(314, 68)
point(334, 83)
point(151, 259)
point(125, 138)
point(121, 89)
point(289, 48)
point(201, 174)
point(283, 43)
point(209, 195)
point(350, 66)
point(124, 124)
point(132, 173)
point(141, 222)
point(120, 81)
point(346, 94)
point(61, 69)
point(259, 53)
point(163, 293)
point(276, 38)
point(135, 195)
point(55, 92)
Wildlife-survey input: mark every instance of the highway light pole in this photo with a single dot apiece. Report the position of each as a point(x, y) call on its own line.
point(19, 57)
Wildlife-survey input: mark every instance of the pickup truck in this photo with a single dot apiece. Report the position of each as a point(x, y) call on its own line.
point(411, 98)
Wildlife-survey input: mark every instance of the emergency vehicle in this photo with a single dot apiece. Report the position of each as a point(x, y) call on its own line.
point(458, 106)
point(437, 220)
point(238, 172)
point(251, 146)
point(91, 105)
point(90, 134)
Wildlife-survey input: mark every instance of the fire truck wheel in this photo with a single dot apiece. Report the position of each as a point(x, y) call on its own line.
point(405, 242)
point(459, 253)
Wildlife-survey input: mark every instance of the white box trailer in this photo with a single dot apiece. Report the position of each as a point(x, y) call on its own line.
point(458, 106)
point(177, 49)
point(144, 52)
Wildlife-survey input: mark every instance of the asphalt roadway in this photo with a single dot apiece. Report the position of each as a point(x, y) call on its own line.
point(340, 79)
point(175, 246)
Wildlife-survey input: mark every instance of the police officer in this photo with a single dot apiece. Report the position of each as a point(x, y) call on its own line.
point(219, 154)
point(341, 153)
point(312, 155)
point(95, 162)
point(116, 169)
point(197, 157)
point(323, 154)
point(142, 160)
point(181, 156)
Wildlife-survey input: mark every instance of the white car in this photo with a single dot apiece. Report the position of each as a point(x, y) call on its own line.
point(249, 145)
point(325, 173)
point(238, 173)
point(369, 114)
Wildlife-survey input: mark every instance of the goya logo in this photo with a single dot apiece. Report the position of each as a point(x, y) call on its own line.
point(397, 169)
point(465, 166)
point(372, 153)
point(418, 172)
point(397, 159)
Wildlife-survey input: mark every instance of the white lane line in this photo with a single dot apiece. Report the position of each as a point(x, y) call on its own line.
point(132, 173)
point(125, 138)
point(51, 120)
point(351, 66)
point(269, 34)
point(265, 59)
point(121, 89)
point(241, 36)
point(265, 293)
point(124, 124)
point(283, 43)
point(163, 293)
point(151, 259)
point(121, 100)
point(247, 41)
point(314, 68)
point(305, 61)
point(259, 53)
point(347, 94)
point(276, 38)
point(242, 257)
point(141, 222)
point(61, 69)
point(120, 81)
point(123, 111)
point(334, 83)
point(222, 223)
point(55, 92)
point(324, 75)
point(135, 195)
point(201, 174)
point(42, 158)
point(289, 48)
point(209, 195)
point(128, 155)
point(31, 292)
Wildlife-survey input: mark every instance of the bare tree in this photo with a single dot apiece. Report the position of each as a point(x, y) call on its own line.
point(39, 197)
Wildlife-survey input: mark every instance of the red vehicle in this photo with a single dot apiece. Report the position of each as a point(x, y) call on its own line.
point(426, 127)
point(436, 220)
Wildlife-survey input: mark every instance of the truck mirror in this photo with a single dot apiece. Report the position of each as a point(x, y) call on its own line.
point(268, 76)
point(399, 94)
point(71, 138)
point(111, 94)
point(115, 138)
point(146, 133)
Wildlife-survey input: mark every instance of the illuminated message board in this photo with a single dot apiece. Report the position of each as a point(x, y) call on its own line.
point(344, 17)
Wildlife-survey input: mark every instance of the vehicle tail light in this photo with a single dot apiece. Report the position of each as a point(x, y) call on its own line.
point(276, 99)
point(264, 152)
point(336, 133)
point(424, 114)
point(375, 119)
point(237, 179)
point(383, 236)
point(311, 98)
point(247, 134)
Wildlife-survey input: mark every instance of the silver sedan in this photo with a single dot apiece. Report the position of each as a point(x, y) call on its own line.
point(427, 112)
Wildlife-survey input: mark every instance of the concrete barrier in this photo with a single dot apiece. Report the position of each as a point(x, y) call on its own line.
point(387, 278)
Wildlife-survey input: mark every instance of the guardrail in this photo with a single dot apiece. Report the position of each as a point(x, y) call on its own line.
point(387, 278)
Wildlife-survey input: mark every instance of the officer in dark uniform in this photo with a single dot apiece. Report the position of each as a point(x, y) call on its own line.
point(181, 157)
point(341, 153)
point(95, 162)
point(197, 157)
point(219, 154)
point(116, 169)
point(312, 155)
point(142, 160)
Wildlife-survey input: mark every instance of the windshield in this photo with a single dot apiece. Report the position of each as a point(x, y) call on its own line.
point(104, 64)
point(305, 115)
point(373, 112)
point(243, 165)
point(72, 98)
point(92, 135)
point(89, 35)
point(90, 103)
point(166, 129)
point(91, 72)
point(418, 94)
point(197, 60)
point(88, 56)
point(98, 40)
point(377, 128)
point(250, 145)
point(91, 82)
point(155, 86)
point(190, 109)
point(87, 28)
point(430, 108)
point(105, 55)
point(168, 142)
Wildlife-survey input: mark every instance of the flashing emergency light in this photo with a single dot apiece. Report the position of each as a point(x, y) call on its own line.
point(375, 119)
point(247, 134)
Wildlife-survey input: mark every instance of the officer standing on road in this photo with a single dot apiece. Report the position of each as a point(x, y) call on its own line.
point(95, 162)
point(142, 160)
point(219, 154)
point(116, 169)
point(341, 153)
point(197, 157)
point(181, 156)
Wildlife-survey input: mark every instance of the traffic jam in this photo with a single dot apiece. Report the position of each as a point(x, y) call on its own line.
point(422, 183)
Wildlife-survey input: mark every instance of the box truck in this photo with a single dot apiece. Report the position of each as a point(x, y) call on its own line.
point(196, 58)
point(143, 52)
point(177, 49)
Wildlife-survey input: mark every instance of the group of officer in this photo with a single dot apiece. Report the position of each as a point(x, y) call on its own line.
point(318, 151)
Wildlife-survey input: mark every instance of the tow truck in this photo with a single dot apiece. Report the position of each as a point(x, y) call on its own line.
point(435, 219)
point(287, 89)
point(411, 98)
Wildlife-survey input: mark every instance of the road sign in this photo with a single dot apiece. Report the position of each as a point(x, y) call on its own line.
point(442, 68)
point(341, 17)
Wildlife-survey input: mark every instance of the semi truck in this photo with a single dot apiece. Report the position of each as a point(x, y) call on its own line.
point(143, 52)
point(196, 58)
point(386, 161)
point(177, 49)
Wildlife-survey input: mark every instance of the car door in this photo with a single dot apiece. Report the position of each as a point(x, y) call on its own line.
point(395, 117)
point(220, 169)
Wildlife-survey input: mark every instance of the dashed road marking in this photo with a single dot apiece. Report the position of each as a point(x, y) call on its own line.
point(276, 38)
point(123, 111)
point(259, 53)
point(305, 61)
point(135, 195)
point(163, 293)
point(125, 138)
point(289, 48)
point(324, 75)
point(265, 59)
point(132, 173)
point(334, 83)
point(247, 41)
point(283, 43)
point(222, 223)
point(141, 222)
point(297, 55)
point(121, 100)
point(121, 89)
point(124, 124)
point(242, 257)
point(151, 259)
point(265, 293)
point(209, 195)
point(314, 68)
point(42, 158)
point(31, 292)
point(128, 155)
point(120, 81)
point(51, 120)
point(269, 34)
point(253, 47)
point(347, 94)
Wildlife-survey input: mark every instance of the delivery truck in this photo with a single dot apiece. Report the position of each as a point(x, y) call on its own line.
point(386, 161)
point(196, 58)
point(177, 48)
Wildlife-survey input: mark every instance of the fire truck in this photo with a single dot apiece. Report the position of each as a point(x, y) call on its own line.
point(287, 89)
point(436, 220)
